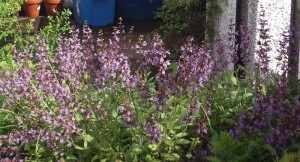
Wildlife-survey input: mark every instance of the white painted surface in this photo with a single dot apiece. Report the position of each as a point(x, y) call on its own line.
point(278, 15)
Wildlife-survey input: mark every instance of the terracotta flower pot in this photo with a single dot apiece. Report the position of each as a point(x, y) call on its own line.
point(32, 7)
point(52, 5)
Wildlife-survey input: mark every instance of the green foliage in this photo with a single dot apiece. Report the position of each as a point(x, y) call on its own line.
point(230, 97)
point(226, 149)
point(182, 18)
point(189, 17)
point(12, 35)
point(10, 8)
point(110, 140)
point(56, 27)
point(290, 157)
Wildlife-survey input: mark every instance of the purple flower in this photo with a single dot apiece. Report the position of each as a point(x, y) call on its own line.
point(127, 112)
point(152, 131)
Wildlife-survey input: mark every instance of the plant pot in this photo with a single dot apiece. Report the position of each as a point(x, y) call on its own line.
point(32, 7)
point(51, 5)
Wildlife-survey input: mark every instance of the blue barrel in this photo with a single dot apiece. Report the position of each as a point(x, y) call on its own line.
point(94, 12)
point(137, 10)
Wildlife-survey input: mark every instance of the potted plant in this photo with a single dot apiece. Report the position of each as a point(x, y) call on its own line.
point(51, 5)
point(32, 7)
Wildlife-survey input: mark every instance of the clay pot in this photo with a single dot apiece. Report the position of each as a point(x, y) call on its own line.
point(32, 7)
point(51, 5)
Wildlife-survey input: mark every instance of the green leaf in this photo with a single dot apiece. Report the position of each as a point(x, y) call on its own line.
point(137, 149)
point(103, 160)
point(234, 94)
point(71, 157)
point(195, 142)
point(173, 67)
point(87, 139)
point(171, 157)
point(182, 134)
point(270, 148)
point(79, 148)
point(150, 159)
point(183, 142)
point(227, 120)
point(152, 147)
point(114, 113)
point(188, 156)
point(94, 158)
point(248, 95)
point(232, 79)
point(169, 142)
point(3, 63)
point(162, 115)
point(31, 65)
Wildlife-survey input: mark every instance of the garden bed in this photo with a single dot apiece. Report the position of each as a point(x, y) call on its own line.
point(71, 94)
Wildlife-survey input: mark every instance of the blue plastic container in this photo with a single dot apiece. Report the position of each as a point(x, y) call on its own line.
point(137, 10)
point(94, 12)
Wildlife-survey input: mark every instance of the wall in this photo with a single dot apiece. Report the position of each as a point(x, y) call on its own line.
point(224, 20)
point(278, 15)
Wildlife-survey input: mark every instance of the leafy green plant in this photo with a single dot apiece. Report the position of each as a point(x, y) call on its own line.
point(290, 157)
point(227, 149)
point(56, 27)
point(10, 8)
point(182, 18)
point(224, 147)
point(229, 98)
point(188, 17)
point(12, 35)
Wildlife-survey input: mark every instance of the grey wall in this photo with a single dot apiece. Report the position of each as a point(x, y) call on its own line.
point(278, 15)
point(226, 18)
point(223, 21)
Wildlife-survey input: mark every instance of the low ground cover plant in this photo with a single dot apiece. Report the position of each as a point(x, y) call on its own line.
point(10, 8)
point(96, 99)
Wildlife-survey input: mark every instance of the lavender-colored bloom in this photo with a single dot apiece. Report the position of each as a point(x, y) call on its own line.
point(283, 53)
point(127, 112)
point(272, 115)
point(152, 131)
point(245, 46)
point(263, 43)
point(194, 66)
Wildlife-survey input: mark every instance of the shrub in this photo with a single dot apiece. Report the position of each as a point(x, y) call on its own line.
point(86, 104)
